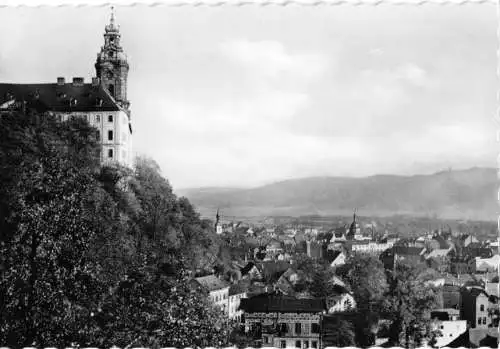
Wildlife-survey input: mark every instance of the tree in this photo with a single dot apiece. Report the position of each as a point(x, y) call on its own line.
point(366, 278)
point(408, 303)
point(85, 255)
point(337, 332)
point(154, 307)
point(48, 199)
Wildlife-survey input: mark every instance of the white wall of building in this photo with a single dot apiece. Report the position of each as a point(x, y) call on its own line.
point(450, 330)
point(114, 132)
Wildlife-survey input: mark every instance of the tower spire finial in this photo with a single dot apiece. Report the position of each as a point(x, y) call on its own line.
point(112, 19)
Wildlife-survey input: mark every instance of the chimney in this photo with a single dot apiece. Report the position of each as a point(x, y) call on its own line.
point(95, 82)
point(77, 81)
point(61, 81)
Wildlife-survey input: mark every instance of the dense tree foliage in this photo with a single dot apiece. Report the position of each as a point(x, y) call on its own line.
point(366, 278)
point(407, 303)
point(95, 255)
point(338, 333)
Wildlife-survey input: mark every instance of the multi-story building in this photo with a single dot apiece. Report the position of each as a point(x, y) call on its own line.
point(236, 294)
point(216, 289)
point(474, 304)
point(103, 101)
point(283, 321)
point(369, 247)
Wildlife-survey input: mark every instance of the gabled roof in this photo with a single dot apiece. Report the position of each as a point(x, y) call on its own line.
point(438, 253)
point(211, 283)
point(246, 269)
point(332, 255)
point(55, 97)
point(476, 291)
point(462, 341)
point(266, 303)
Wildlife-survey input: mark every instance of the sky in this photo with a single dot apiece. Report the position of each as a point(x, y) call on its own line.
point(244, 96)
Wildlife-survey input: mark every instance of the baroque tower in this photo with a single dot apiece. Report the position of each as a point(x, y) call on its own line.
point(111, 65)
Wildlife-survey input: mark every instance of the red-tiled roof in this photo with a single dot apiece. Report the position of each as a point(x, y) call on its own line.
point(66, 97)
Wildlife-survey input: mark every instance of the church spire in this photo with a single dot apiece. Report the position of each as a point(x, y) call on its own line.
point(111, 65)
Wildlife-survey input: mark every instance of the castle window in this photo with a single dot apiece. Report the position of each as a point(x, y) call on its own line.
point(97, 118)
point(283, 344)
point(98, 135)
point(297, 344)
point(110, 118)
point(110, 135)
point(314, 344)
point(481, 308)
point(110, 153)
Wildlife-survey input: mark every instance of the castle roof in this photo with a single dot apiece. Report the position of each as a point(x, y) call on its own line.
point(55, 97)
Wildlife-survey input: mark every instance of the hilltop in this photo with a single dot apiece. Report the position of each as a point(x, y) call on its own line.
point(454, 194)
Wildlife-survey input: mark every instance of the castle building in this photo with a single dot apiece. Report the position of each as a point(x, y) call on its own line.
point(103, 101)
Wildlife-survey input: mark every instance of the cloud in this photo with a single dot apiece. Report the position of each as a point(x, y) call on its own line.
point(413, 74)
point(271, 59)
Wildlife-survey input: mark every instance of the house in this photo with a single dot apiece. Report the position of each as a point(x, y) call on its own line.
point(237, 292)
point(398, 253)
point(438, 242)
point(438, 259)
point(340, 302)
point(272, 270)
point(336, 258)
point(284, 322)
point(477, 250)
point(251, 272)
point(484, 265)
point(467, 239)
point(274, 247)
point(217, 290)
point(369, 246)
point(448, 323)
point(474, 304)
point(338, 237)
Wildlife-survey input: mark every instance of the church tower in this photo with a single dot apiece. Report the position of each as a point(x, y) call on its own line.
point(111, 65)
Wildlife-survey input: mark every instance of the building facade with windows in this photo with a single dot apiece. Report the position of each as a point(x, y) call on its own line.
point(103, 101)
point(474, 307)
point(217, 290)
point(282, 321)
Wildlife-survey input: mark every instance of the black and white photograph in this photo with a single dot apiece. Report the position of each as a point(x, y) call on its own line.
point(234, 175)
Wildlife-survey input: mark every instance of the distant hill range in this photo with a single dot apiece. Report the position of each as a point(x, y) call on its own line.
point(455, 194)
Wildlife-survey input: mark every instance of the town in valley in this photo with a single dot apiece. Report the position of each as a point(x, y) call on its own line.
point(97, 249)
